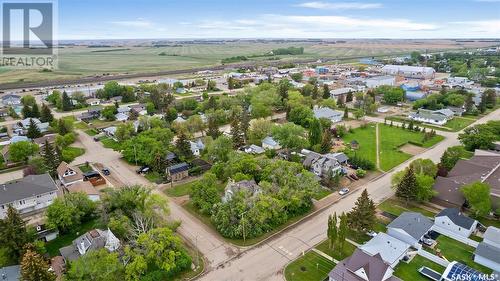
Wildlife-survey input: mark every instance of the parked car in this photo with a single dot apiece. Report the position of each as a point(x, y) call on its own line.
point(428, 241)
point(143, 170)
point(371, 233)
point(106, 171)
point(354, 177)
point(344, 191)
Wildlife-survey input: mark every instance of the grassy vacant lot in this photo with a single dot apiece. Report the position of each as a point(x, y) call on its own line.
point(367, 142)
point(455, 251)
point(396, 207)
point(391, 138)
point(53, 246)
point(310, 267)
point(111, 143)
point(408, 271)
point(334, 253)
point(70, 153)
point(458, 123)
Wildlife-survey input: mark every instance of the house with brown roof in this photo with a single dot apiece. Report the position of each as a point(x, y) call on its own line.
point(69, 175)
point(483, 167)
point(50, 138)
point(84, 187)
point(361, 266)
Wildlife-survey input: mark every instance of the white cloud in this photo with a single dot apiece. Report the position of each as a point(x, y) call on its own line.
point(133, 23)
point(487, 28)
point(339, 5)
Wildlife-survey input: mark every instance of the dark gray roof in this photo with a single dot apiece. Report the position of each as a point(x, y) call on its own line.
point(26, 187)
point(10, 273)
point(457, 217)
point(488, 251)
point(177, 168)
point(415, 224)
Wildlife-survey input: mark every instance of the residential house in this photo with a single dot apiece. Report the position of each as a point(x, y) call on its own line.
point(69, 175)
point(253, 149)
point(484, 166)
point(325, 164)
point(93, 240)
point(110, 131)
point(196, 147)
point(436, 117)
point(179, 119)
point(10, 273)
point(414, 95)
point(178, 171)
point(140, 109)
point(93, 101)
point(93, 112)
point(21, 128)
point(269, 143)
point(361, 266)
point(487, 253)
point(4, 112)
point(233, 187)
point(407, 71)
point(117, 99)
point(50, 138)
point(85, 187)
point(11, 100)
point(378, 81)
point(451, 222)
point(121, 117)
point(390, 249)
point(341, 92)
point(28, 195)
point(328, 113)
point(123, 109)
point(410, 227)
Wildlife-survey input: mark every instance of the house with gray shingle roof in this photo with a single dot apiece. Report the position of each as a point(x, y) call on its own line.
point(436, 117)
point(328, 113)
point(451, 222)
point(487, 253)
point(410, 227)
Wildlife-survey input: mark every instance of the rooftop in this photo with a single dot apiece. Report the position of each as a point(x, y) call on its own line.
point(26, 187)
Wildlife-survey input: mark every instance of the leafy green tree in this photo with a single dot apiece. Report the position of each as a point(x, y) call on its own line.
point(212, 127)
point(21, 151)
point(424, 187)
point(124, 131)
point(35, 268)
point(50, 159)
point(66, 103)
point(290, 136)
point(183, 146)
point(46, 114)
point(109, 113)
point(346, 113)
point(326, 91)
point(245, 124)
point(205, 193)
point(142, 149)
point(332, 232)
point(99, 265)
point(479, 136)
point(451, 156)
point(33, 131)
point(26, 111)
point(358, 113)
point(64, 141)
point(424, 166)
point(297, 76)
point(72, 209)
point(259, 129)
point(28, 100)
point(64, 126)
point(283, 87)
point(35, 111)
point(300, 115)
point(326, 141)
point(219, 149)
point(343, 230)
point(13, 234)
point(315, 92)
point(315, 130)
point(55, 99)
point(478, 197)
point(407, 188)
point(307, 90)
point(362, 216)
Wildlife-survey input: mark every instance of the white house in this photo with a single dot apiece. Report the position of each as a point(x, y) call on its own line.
point(110, 131)
point(409, 71)
point(377, 81)
point(29, 194)
point(451, 222)
point(391, 249)
point(269, 143)
point(436, 117)
point(233, 187)
point(324, 164)
point(328, 113)
point(93, 102)
point(69, 175)
point(487, 253)
point(410, 227)
point(121, 116)
point(340, 91)
point(253, 149)
point(196, 147)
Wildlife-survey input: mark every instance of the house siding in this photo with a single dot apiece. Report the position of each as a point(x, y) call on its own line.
point(30, 204)
point(487, 262)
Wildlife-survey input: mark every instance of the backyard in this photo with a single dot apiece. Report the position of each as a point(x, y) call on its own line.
point(396, 207)
point(458, 123)
point(310, 267)
point(53, 246)
point(409, 271)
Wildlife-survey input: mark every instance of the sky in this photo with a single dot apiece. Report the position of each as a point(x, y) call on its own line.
point(157, 19)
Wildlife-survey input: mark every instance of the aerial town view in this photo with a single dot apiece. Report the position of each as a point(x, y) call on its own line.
point(280, 140)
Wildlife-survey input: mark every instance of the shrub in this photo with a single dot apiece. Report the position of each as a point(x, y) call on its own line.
point(360, 173)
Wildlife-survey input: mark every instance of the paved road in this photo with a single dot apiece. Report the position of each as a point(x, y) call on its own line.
point(267, 261)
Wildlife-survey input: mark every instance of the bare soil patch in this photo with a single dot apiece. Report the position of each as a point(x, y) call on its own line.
point(411, 149)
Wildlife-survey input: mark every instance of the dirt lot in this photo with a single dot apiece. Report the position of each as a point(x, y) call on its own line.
point(412, 149)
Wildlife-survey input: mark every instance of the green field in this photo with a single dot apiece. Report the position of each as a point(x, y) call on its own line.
point(455, 251)
point(79, 61)
point(392, 138)
point(310, 267)
point(367, 142)
point(458, 123)
point(409, 271)
point(396, 207)
point(335, 253)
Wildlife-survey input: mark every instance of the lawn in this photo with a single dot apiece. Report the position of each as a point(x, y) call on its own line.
point(392, 138)
point(70, 153)
point(322, 194)
point(456, 251)
point(154, 177)
point(91, 132)
point(489, 222)
point(85, 169)
point(409, 271)
point(179, 190)
point(53, 246)
point(397, 207)
point(334, 253)
point(310, 267)
point(81, 125)
point(367, 142)
point(111, 143)
point(458, 123)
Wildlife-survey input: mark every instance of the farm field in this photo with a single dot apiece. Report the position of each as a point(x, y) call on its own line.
point(79, 61)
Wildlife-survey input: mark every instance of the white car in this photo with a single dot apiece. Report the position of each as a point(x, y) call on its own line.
point(344, 191)
point(371, 233)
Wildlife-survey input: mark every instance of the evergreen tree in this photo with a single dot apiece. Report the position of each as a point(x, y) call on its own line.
point(13, 233)
point(34, 267)
point(314, 132)
point(283, 87)
point(342, 231)
point(407, 188)
point(212, 128)
point(315, 92)
point(326, 91)
point(159, 163)
point(245, 124)
point(133, 115)
point(26, 112)
point(50, 159)
point(212, 103)
point(469, 103)
point(326, 141)
point(346, 113)
point(35, 111)
point(332, 232)
point(33, 131)
point(66, 102)
point(362, 216)
point(183, 146)
point(482, 104)
point(236, 133)
point(46, 114)
point(348, 97)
